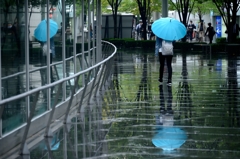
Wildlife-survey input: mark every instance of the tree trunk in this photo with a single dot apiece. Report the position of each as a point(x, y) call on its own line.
point(115, 33)
point(144, 33)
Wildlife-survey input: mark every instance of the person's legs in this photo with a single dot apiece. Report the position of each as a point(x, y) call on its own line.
point(162, 62)
point(190, 35)
point(136, 35)
point(169, 66)
point(200, 36)
point(234, 37)
point(210, 39)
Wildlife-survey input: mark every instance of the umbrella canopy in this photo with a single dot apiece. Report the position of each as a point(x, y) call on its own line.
point(169, 29)
point(169, 138)
point(40, 32)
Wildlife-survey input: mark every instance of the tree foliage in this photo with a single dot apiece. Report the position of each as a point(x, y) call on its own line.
point(228, 10)
point(114, 6)
point(184, 9)
point(129, 6)
point(203, 7)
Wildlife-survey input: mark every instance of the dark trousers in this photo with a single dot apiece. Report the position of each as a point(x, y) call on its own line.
point(168, 59)
point(210, 39)
point(44, 72)
point(190, 33)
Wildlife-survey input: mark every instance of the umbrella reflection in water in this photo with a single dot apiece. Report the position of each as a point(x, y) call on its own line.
point(168, 137)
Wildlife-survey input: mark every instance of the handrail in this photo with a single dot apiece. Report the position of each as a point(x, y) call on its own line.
point(59, 81)
point(39, 68)
point(92, 84)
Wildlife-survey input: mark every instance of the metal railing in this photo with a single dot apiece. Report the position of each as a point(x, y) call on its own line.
point(48, 103)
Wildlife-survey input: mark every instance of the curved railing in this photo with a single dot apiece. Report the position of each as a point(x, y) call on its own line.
point(40, 108)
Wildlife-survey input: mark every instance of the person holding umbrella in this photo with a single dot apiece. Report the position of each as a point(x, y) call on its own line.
point(167, 31)
point(40, 33)
point(164, 49)
point(166, 55)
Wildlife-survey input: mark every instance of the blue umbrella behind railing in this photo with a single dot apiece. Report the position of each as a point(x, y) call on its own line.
point(40, 33)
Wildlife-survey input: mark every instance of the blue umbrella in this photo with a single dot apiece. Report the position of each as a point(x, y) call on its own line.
point(40, 32)
point(169, 138)
point(169, 29)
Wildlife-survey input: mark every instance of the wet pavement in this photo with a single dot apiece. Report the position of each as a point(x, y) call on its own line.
point(197, 117)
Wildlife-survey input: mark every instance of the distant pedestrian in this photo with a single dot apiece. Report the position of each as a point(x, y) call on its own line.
point(138, 31)
point(235, 31)
point(190, 29)
point(210, 32)
point(51, 51)
point(201, 30)
point(150, 33)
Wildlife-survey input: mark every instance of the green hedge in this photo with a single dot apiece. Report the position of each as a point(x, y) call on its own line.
point(224, 40)
point(131, 43)
point(219, 46)
point(221, 40)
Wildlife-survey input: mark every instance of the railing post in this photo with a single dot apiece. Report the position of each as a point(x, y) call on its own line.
point(83, 41)
point(100, 79)
point(1, 112)
point(27, 56)
point(23, 147)
point(83, 94)
point(74, 36)
point(94, 36)
point(70, 100)
point(93, 84)
point(0, 64)
point(47, 132)
point(99, 30)
point(48, 59)
point(63, 48)
point(107, 73)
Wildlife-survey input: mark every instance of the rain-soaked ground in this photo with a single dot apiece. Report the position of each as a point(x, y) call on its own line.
point(197, 117)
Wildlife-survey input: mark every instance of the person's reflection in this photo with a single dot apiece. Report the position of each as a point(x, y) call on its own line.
point(167, 137)
point(166, 114)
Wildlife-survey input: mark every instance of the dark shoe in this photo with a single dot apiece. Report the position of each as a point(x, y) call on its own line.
point(162, 110)
point(160, 81)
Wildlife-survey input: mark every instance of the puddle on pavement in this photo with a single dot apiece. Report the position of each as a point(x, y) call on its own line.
point(198, 117)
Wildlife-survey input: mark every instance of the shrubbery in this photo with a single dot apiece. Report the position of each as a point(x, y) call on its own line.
point(219, 46)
